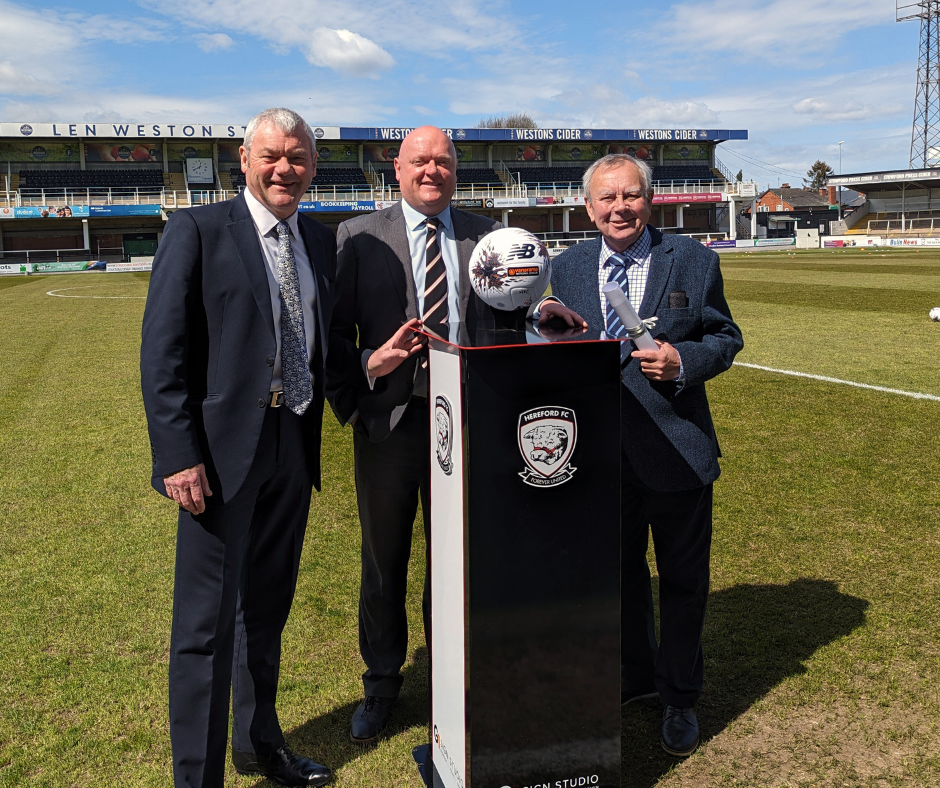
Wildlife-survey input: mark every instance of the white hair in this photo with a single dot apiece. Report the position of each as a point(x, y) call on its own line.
point(612, 160)
point(284, 119)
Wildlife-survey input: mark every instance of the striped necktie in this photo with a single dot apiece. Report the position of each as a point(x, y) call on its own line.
point(618, 274)
point(435, 277)
point(295, 365)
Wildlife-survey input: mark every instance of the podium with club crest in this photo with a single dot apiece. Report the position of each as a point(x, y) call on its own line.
point(525, 560)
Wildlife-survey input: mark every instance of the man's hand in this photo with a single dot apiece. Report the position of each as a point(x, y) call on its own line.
point(661, 364)
point(403, 344)
point(552, 309)
point(189, 488)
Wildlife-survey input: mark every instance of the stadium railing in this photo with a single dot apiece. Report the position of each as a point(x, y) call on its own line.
point(380, 190)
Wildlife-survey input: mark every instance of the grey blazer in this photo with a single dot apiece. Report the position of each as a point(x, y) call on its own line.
point(667, 434)
point(374, 295)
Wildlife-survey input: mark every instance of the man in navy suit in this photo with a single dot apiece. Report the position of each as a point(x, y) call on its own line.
point(235, 337)
point(670, 452)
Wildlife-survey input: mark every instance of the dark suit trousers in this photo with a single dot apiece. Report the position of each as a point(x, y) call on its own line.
point(236, 570)
point(681, 524)
point(390, 476)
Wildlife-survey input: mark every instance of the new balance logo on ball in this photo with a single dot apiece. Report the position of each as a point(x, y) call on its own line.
point(520, 252)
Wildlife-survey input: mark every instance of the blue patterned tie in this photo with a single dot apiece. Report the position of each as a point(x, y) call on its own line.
point(295, 365)
point(618, 274)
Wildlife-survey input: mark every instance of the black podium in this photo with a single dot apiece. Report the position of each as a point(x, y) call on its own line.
point(525, 560)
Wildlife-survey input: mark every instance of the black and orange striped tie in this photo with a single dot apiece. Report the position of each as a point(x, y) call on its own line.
point(435, 277)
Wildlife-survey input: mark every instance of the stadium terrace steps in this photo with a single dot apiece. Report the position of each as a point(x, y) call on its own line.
point(131, 179)
point(482, 176)
point(326, 176)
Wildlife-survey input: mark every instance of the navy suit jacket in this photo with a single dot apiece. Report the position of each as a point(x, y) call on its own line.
point(208, 344)
point(667, 433)
point(375, 296)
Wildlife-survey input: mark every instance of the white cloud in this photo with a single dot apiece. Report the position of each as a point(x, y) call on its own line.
point(15, 82)
point(779, 30)
point(211, 42)
point(370, 33)
point(343, 50)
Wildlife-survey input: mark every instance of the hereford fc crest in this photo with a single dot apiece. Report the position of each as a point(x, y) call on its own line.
point(547, 437)
point(444, 431)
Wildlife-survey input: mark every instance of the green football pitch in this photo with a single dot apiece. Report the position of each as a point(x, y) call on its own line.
point(822, 641)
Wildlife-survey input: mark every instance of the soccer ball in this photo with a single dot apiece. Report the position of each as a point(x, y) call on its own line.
point(935, 314)
point(510, 268)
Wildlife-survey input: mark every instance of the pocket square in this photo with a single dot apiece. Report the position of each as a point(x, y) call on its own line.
point(678, 299)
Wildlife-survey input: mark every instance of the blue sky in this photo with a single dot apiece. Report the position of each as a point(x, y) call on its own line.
point(799, 75)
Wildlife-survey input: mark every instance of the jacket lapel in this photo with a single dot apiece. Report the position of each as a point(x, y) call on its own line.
point(323, 296)
point(248, 248)
point(586, 271)
point(466, 243)
point(395, 236)
point(661, 261)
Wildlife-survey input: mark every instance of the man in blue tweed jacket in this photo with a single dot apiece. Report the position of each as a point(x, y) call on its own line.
point(670, 452)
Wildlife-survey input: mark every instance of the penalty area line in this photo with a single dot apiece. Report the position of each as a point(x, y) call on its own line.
point(825, 379)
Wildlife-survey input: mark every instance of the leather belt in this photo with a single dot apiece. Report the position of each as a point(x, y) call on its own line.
point(276, 399)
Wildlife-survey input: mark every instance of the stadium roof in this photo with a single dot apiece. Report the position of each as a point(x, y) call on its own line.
point(889, 180)
point(800, 198)
point(151, 130)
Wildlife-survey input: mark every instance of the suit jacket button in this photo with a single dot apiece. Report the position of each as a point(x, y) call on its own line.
point(269, 361)
point(260, 402)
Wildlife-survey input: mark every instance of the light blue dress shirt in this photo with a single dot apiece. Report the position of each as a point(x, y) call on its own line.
point(417, 243)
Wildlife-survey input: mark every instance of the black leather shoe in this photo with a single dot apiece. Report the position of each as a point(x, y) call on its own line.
point(283, 766)
point(680, 731)
point(370, 718)
point(631, 694)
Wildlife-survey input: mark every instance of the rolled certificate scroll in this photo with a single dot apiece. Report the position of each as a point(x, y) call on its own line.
point(636, 329)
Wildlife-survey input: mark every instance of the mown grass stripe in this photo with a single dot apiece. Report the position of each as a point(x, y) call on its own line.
point(826, 379)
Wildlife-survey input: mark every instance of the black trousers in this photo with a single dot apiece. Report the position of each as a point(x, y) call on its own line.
point(236, 571)
point(390, 477)
point(681, 525)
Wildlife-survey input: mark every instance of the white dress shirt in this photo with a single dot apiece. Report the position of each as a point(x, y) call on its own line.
point(266, 226)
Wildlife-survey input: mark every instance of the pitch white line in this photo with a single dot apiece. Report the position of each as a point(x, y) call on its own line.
point(58, 293)
point(824, 379)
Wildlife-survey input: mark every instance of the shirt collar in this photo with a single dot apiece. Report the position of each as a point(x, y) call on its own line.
point(414, 219)
point(637, 252)
point(266, 221)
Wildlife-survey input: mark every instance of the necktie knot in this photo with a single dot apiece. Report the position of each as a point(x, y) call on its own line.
point(283, 230)
point(619, 260)
point(432, 223)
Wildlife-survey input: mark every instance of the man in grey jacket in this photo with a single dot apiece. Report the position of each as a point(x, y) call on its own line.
point(670, 451)
point(396, 270)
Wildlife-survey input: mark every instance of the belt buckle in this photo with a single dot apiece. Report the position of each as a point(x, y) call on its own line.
point(277, 399)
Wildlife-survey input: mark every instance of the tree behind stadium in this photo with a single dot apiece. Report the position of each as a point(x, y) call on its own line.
point(518, 120)
point(817, 174)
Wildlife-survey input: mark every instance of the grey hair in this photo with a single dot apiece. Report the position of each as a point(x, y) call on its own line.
point(284, 119)
point(612, 160)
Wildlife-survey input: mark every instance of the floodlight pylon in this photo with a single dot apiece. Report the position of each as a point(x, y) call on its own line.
point(925, 133)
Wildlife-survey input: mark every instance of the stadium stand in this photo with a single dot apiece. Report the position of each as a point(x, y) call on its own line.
point(481, 176)
point(340, 176)
point(148, 180)
point(693, 172)
point(326, 176)
point(546, 174)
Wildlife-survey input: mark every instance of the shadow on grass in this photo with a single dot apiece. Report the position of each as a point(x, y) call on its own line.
point(327, 736)
point(755, 637)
